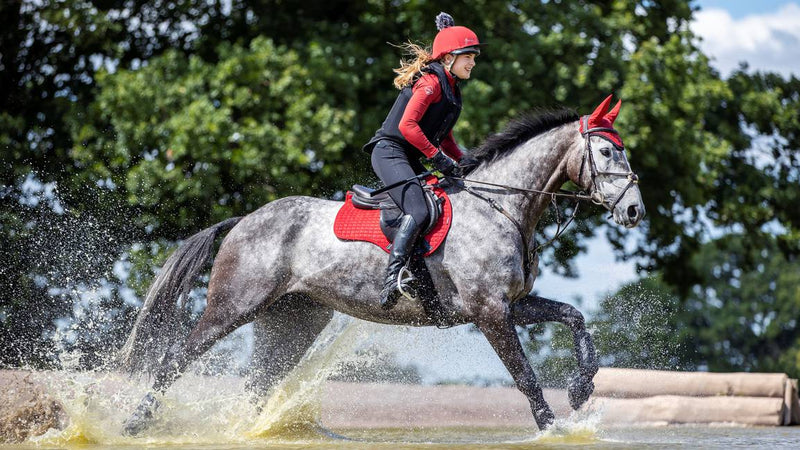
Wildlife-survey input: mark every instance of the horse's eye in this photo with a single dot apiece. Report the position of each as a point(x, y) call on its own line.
point(605, 152)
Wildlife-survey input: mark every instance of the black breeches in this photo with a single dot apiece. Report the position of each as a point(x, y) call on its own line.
point(392, 164)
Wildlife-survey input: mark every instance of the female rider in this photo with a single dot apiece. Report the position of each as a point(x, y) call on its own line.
point(419, 124)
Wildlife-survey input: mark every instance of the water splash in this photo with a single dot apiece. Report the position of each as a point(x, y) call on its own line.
point(203, 410)
point(294, 405)
point(581, 427)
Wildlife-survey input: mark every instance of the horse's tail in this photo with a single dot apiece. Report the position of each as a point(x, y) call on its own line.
point(159, 324)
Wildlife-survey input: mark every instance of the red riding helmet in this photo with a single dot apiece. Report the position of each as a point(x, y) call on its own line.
point(453, 39)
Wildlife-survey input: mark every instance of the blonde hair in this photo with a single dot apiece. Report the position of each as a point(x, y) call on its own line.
point(411, 67)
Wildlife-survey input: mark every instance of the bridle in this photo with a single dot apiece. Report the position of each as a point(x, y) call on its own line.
point(594, 196)
point(597, 196)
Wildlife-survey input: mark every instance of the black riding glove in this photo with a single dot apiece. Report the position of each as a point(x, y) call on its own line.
point(445, 164)
point(467, 164)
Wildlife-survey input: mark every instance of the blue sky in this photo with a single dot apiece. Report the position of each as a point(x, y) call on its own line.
point(765, 33)
point(740, 8)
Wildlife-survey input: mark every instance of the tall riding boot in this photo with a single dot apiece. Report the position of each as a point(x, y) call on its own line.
point(402, 247)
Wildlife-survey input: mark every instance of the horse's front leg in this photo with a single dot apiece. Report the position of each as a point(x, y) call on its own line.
point(533, 309)
point(496, 324)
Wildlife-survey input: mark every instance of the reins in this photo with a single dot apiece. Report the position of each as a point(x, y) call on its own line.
point(560, 193)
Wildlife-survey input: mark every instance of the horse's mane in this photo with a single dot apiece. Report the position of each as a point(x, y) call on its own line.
point(521, 130)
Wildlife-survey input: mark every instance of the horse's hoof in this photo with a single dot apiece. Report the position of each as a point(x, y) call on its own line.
point(142, 417)
point(579, 390)
point(134, 425)
point(544, 417)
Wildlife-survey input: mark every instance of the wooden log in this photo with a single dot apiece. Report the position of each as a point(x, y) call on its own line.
point(676, 409)
point(791, 406)
point(636, 383)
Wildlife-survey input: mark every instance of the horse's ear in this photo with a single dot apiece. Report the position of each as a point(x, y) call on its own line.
point(601, 110)
point(612, 115)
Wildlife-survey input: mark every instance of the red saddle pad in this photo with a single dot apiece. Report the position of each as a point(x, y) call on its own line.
point(354, 224)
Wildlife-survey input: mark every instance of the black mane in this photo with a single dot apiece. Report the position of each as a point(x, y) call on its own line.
point(520, 130)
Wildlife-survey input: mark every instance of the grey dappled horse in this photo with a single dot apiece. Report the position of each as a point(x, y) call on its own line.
point(282, 267)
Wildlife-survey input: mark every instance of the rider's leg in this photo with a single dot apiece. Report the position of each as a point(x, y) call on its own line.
point(402, 248)
point(392, 164)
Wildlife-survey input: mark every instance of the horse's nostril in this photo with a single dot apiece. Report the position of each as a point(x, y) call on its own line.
point(633, 211)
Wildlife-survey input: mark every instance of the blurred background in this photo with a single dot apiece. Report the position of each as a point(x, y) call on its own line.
point(126, 126)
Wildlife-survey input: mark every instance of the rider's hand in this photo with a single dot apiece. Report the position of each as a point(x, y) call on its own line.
point(444, 164)
point(467, 164)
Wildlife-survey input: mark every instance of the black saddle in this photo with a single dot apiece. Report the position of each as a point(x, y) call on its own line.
point(391, 213)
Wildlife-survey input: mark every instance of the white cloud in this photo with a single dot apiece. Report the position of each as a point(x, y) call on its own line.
point(767, 42)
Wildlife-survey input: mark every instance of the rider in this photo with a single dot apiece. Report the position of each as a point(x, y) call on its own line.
point(419, 124)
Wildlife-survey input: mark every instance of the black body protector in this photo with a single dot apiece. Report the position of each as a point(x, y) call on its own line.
point(436, 123)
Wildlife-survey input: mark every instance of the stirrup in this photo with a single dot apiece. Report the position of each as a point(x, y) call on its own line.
point(404, 284)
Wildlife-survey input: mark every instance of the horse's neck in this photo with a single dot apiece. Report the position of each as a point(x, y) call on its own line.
point(538, 164)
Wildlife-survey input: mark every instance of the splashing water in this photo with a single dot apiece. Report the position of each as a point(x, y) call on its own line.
point(294, 405)
point(581, 427)
point(201, 409)
point(217, 411)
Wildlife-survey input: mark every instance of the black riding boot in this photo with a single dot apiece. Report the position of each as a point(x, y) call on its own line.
point(402, 247)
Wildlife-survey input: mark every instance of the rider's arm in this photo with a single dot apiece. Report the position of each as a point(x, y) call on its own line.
point(424, 92)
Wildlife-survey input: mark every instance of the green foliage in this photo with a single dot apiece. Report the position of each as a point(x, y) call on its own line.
point(745, 319)
point(208, 141)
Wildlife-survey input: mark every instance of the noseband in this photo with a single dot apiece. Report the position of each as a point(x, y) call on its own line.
point(595, 195)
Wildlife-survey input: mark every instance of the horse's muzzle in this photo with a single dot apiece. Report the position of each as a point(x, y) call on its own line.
point(632, 215)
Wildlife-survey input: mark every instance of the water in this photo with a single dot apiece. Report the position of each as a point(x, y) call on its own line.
point(456, 438)
point(215, 413)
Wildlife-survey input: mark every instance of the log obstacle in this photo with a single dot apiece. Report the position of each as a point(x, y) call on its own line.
point(665, 397)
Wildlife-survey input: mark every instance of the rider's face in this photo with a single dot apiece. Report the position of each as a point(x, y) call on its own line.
point(463, 65)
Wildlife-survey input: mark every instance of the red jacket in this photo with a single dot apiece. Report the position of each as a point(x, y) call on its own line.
point(426, 90)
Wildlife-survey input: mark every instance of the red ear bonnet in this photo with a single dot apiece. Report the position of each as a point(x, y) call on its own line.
point(603, 118)
point(612, 115)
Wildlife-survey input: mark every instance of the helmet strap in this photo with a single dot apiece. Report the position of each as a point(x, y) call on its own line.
point(450, 66)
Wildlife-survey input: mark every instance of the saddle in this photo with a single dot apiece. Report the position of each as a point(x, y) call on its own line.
point(375, 219)
point(390, 212)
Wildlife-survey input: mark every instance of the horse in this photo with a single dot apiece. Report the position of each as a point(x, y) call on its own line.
point(282, 268)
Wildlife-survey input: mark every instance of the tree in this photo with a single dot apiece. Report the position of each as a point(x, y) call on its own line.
point(209, 141)
point(51, 50)
point(745, 319)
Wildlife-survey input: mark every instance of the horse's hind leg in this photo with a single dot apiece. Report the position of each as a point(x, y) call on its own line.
point(231, 303)
point(533, 309)
point(283, 333)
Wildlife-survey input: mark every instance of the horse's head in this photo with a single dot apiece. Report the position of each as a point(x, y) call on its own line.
point(603, 168)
